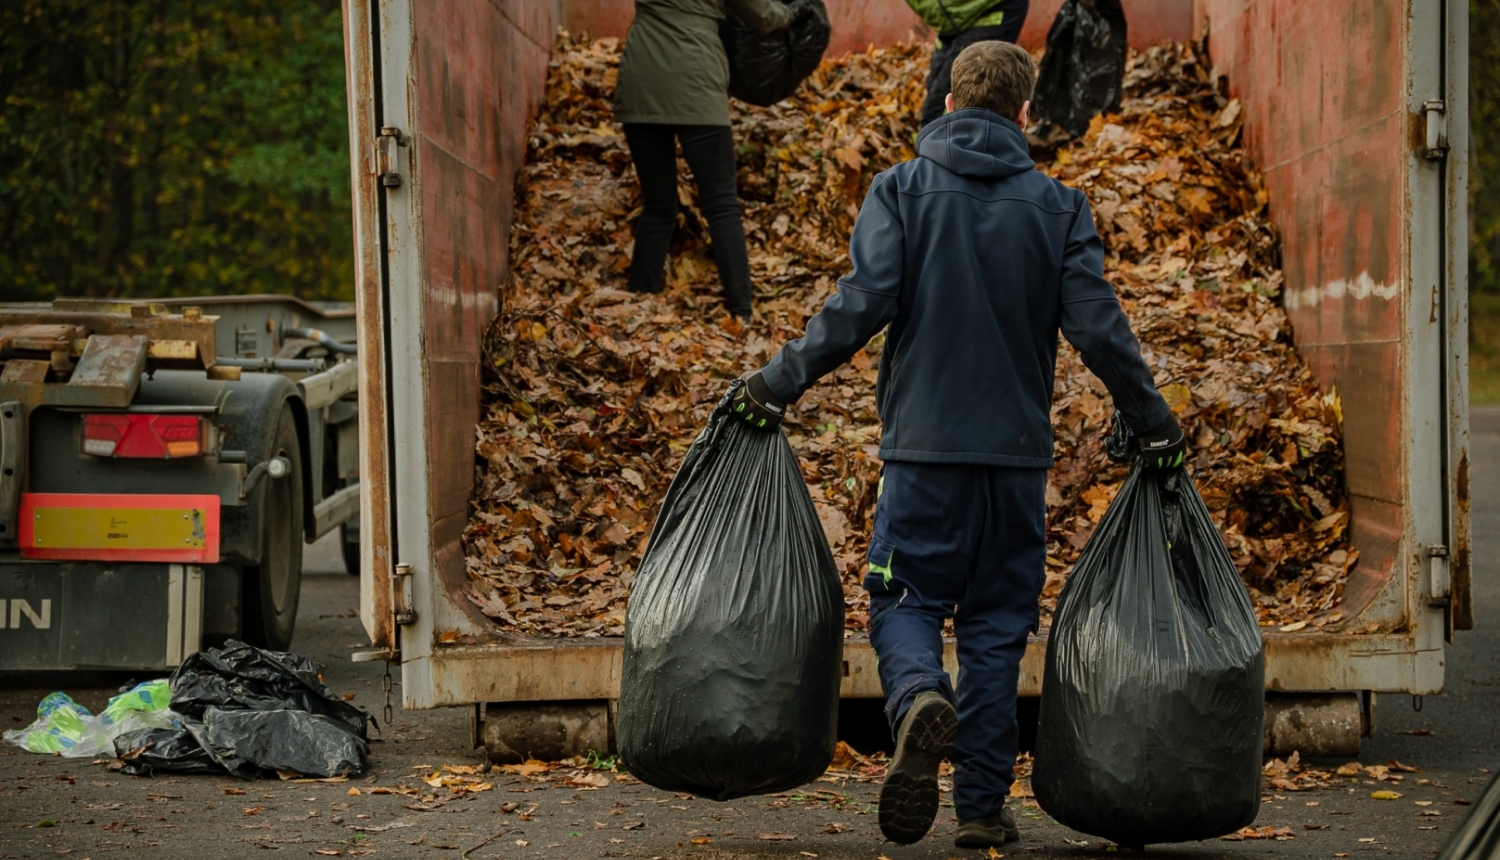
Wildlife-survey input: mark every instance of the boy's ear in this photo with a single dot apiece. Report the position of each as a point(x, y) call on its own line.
point(1025, 113)
point(948, 103)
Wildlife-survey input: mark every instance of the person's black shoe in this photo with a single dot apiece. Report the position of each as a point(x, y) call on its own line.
point(991, 831)
point(909, 795)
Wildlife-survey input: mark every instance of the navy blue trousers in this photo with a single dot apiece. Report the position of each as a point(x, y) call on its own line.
point(966, 542)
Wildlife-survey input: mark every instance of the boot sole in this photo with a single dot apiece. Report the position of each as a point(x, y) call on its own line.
point(909, 795)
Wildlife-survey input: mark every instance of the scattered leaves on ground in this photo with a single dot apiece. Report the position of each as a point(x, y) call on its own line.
point(1280, 834)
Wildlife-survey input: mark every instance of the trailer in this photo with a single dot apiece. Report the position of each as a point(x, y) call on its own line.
point(161, 464)
point(1355, 113)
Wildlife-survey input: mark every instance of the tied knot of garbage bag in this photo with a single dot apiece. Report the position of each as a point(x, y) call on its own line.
point(734, 631)
point(1153, 695)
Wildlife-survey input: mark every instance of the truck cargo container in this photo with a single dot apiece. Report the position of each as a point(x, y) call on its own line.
point(161, 464)
point(1355, 112)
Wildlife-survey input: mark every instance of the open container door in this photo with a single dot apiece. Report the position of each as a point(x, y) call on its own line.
point(1371, 214)
point(436, 93)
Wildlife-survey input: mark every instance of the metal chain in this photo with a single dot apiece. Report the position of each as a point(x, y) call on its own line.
point(385, 684)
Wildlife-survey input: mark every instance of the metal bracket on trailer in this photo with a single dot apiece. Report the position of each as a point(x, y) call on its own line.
point(12, 456)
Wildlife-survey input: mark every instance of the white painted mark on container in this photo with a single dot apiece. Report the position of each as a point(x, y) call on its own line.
point(23, 607)
point(1359, 288)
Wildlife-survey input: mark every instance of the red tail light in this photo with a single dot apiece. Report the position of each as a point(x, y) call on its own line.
point(145, 435)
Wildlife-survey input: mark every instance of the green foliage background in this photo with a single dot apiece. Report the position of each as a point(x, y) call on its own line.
point(154, 148)
point(1484, 201)
point(173, 147)
point(1484, 131)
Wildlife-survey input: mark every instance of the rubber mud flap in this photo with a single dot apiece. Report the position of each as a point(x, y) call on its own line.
point(734, 631)
point(1154, 690)
point(763, 70)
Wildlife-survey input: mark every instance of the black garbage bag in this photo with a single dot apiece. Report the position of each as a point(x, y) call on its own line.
point(1083, 72)
point(734, 630)
point(763, 70)
point(1152, 701)
point(284, 740)
point(248, 711)
point(1478, 835)
point(243, 677)
point(176, 750)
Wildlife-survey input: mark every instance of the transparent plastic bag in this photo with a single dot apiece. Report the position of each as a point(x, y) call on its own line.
point(67, 728)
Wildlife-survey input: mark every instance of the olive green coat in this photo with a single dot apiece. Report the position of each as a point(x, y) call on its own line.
point(674, 70)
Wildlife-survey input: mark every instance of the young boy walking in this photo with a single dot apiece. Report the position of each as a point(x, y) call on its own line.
point(975, 260)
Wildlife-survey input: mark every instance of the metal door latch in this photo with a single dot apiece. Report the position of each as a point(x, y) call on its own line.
point(387, 159)
point(1435, 112)
point(1442, 584)
point(401, 607)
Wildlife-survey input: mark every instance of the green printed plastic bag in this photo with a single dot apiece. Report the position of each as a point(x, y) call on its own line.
point(69, 729)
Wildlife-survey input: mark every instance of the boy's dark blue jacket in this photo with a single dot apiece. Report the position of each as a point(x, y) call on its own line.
point(976, 260)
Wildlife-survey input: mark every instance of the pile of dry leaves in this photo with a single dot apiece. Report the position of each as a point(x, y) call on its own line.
point(592, 394)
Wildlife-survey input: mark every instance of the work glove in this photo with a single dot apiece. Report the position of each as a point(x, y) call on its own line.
point(756, 405)
point(1165, 447)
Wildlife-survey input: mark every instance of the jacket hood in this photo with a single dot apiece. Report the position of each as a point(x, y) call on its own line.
point(976, 142)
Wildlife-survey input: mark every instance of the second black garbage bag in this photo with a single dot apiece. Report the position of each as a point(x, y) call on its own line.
point(1153, 697)
point(764, 69)
point(1083, 71)
point(734, 631)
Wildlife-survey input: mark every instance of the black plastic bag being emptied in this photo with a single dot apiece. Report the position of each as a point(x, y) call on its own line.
point(763, 70)
point(248, 711)
point(734, 630)
point(1153, 697)
point(1083, 72)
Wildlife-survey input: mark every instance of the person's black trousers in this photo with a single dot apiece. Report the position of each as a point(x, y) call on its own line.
point(940, 74)
point(967, 542)
point(709, 150)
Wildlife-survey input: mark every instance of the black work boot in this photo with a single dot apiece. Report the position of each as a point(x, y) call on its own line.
point(991, 831)
point(909, 795)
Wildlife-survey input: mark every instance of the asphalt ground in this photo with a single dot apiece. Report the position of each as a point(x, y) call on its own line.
point(50, 806)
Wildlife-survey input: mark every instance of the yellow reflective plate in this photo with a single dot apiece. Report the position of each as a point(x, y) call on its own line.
point(118, 528)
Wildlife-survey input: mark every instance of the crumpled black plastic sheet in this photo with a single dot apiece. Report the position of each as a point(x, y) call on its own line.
point(1154, 693)
point(240, 676)
point(734, 631)
point(1478, 835)
point(763, 70)
point(248, 711)
point(1083, 72)
point(283, 740)
point(176, 750)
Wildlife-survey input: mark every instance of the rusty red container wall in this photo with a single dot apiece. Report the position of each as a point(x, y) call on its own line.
point(858, 24)
point(481, 72)
point(1325, 125)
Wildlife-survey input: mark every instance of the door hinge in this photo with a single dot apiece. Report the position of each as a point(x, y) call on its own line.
point(387, 159)
point(1440, 581)
point(401, 596)
point(1435, 113)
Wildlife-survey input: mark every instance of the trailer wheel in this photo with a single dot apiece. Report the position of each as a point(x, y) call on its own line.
point(349, 542)
point(272, 588)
